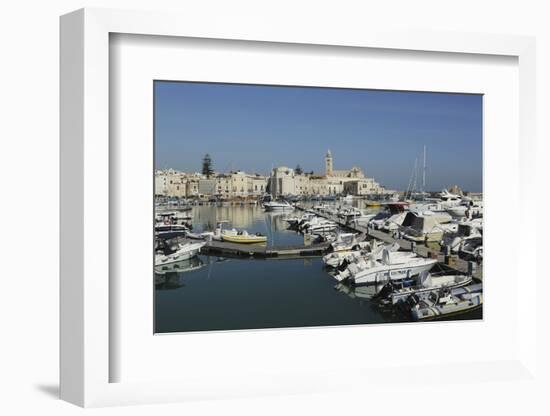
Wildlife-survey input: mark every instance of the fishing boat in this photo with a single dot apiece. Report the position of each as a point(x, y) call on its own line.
point(392, 266)
point(396, 292)
point(445, 302)
point(242, 237)
point(182, 252)
point(278, 206)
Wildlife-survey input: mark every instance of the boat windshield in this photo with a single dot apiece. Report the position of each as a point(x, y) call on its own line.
point(464, 230)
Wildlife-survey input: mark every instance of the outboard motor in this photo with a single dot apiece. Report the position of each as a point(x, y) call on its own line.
point(412, 300)
point(386, 290)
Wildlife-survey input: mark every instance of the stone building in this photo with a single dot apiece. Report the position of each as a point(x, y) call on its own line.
point(284, 181)
point(172, 183)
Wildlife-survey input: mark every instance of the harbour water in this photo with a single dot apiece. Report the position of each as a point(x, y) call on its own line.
point(210, 293)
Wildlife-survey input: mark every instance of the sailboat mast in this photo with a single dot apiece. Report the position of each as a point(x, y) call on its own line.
point(424, 172)
point(415, 175)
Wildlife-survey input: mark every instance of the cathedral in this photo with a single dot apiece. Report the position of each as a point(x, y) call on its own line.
point(285, 181)
point(353, 173)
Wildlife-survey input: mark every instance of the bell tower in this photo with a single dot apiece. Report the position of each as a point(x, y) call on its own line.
point(328, 163)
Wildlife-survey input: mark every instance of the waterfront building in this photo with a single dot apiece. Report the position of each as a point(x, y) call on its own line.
point(172, 183)
point(282, 181)
point(208, 186)
point(364, 186)
point(258, 185)
point(285, 181)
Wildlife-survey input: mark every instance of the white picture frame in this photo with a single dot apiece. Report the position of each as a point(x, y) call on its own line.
point(86, 356)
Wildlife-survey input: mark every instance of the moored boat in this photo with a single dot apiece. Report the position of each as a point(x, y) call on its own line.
point(242, 237)
point(168, 231)
point(445, 302)
point(278, 206)
point(425, 226)
point(182, 252)
point(392, 266)
point(395, 292)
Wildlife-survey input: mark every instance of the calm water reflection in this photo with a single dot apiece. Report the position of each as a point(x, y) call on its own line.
point(209, 293)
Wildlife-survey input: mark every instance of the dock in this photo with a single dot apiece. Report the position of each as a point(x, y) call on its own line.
point(450, 263)
point(226, 249)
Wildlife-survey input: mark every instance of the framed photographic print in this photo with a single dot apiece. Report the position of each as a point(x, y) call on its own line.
point(278, 212)
point(257, 244)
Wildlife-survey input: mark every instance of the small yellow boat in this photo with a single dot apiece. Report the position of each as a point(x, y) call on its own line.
point(373, 204)
point(242, 237)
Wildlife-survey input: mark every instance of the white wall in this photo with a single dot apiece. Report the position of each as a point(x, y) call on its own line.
point(29, 139)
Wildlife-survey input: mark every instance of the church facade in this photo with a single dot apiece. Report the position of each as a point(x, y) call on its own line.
point(285, 181)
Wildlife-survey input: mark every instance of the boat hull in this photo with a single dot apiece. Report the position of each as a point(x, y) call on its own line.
point(244, 239)
point(440, 311)
point(391, 272)
point(184, 254)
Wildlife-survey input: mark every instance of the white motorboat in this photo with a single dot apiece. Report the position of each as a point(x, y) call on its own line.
point(306, 226)
point(362, 220)
point(183, 252)
point(321, 207)
point(446, 301)
point(167, 231)
point(364, 249)
point(466, 230)
point(391, 223)
point(348, 199)
point(200, 236)
point(392, 266)
point(292, 221)
point(472, 248)
point(450, 199)
point(297, 221)
point(349, 213)
point(322, 226)
point(445, 201)
point(393, 293)
point(171, 217)
point(278, 206)
point(425, 226)
point(470, 209)
point(346, 242)
point(183, 266)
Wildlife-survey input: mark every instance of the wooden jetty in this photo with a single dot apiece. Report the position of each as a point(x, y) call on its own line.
point(225, 249)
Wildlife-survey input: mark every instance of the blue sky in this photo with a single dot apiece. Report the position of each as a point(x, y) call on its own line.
point(253, 127)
